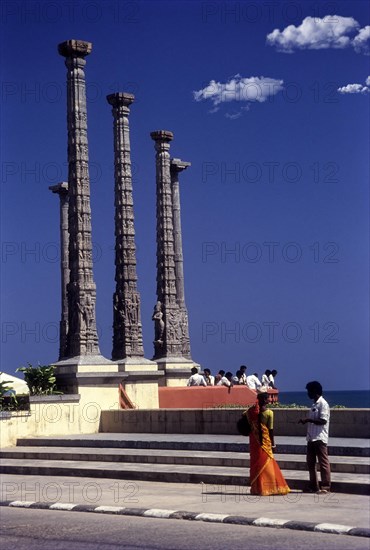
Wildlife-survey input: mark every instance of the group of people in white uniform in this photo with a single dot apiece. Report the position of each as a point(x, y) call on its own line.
point(240, 378)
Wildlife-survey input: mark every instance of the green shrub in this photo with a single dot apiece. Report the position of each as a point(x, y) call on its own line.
point(5, 386)
point(7, 401)
point(279, 405)
point(40, 380)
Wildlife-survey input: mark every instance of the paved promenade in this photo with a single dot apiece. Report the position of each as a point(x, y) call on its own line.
point(335, 512)
point(341, 511)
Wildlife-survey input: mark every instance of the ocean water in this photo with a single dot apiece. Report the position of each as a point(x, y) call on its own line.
point(354, 399)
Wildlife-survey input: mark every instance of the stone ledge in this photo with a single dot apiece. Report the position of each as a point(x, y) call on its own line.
point(57, 398)
point(136, 364)
point(75, 380)
point(223, 421)
point(88, 360)
point(132, 376)
point(175, 363)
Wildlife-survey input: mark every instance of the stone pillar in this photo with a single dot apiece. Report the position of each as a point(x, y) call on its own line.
point(167, 312)
point(82, 334)
point(178, 166)
point(127, 329)
point(61, 189)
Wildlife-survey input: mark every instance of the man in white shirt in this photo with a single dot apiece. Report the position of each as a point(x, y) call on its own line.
point(226, 380)
point(196, 379)
point(317, 438)
point(266, 378)
point(243, 378)
point(272, 379)
point(210, 380)
point(253, 382)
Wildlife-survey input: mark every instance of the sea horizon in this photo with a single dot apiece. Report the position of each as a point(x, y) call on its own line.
point(355, 399)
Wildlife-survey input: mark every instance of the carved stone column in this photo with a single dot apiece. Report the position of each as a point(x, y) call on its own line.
point(127, 329)
point(178, 166)
point(82, 334)
point(166, 315)
point(61, 189)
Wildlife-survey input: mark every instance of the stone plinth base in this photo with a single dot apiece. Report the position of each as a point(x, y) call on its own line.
point(176, 370)
point(136, 364)
point(94, 377)
point(85, 363)
point(141, 381)
point(97, 380)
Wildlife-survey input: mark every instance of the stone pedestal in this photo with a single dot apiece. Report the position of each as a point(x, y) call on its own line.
point(141, 381)
point(176, 370)
point(97, 381)
point(93, 377)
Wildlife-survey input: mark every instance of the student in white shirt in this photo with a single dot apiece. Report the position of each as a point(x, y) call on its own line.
point(272, 379)
point(265, 378)
point(243, 378)
point(218, 376)
point(253, 382)
point(210, 380)
point(226, 380)
point(237, 378)
point(196, 379)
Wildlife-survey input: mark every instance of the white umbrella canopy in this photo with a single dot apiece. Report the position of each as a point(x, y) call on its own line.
point(16, 385)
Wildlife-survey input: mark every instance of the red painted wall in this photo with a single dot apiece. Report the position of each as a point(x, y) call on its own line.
point(206, 397)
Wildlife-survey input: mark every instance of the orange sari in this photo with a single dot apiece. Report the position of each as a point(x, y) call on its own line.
point(265, 475)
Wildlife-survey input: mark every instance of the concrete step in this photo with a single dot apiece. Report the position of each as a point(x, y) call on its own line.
point(195, 442)
point(180, 458)
point(175, 473)
point(354, 465)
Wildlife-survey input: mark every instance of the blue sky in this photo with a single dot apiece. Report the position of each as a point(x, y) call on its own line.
point(270, 104)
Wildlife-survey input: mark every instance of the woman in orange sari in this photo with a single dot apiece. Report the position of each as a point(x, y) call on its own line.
point(265, 475)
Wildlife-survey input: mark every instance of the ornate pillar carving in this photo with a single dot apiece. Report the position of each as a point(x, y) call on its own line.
point(82, 334)
point(127, 329)
point(167, 312)
point(61, 189)
point(178, 166)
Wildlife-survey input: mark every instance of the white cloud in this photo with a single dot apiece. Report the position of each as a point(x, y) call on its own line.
point(233, 116)
point(333, 31)
point(254, 88)
point(214, 109)
point(361, 42)
point(356, 88)
point(352, 89)
point(238, 113)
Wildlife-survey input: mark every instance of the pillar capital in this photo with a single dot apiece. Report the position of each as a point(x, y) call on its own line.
point(74, 48)
point(120, 99)
point(60, 188)
point(178, 165)
point(162, 136)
